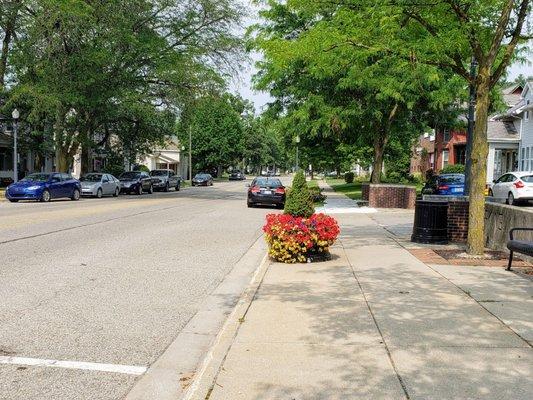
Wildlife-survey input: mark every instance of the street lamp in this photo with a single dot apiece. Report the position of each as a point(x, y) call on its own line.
point(297, 140)
point(190, 154)
point(15, 114)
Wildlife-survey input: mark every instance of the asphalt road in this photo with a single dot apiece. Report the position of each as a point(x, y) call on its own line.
point(110, 281)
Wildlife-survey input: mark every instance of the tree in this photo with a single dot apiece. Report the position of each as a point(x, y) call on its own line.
point(216, 130)
point(332, 91)
point(95, 71)
point(299, 202)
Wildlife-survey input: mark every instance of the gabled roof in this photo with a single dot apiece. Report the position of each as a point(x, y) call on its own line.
point(502, 131)
point(512, 94)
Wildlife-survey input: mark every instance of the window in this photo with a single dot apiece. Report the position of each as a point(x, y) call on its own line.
point(446, 135)
point(522, 159)
point(66, 177)
point(526, 115)
point(527, 159)
point(445, 158)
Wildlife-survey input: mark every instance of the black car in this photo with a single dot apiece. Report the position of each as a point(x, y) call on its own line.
point(202, 180)
point(267, 191)
point(135, 182)
point(237, 176)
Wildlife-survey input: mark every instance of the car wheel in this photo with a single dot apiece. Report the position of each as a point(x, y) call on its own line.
point(491, 194)
point(510, 199)
point(13, 200)
point(45, 197)
point(250, 204)
point(117, 192)
point(99, 193)
point(167, 187)
point(140, 189)
point(178, 187)
point(75, 195)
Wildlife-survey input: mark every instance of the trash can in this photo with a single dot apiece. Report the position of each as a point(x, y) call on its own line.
point(431, 222)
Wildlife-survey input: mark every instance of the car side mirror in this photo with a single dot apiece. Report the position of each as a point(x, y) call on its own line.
point(494, 181)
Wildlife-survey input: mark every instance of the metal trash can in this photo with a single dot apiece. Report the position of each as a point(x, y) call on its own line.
point(431, 222)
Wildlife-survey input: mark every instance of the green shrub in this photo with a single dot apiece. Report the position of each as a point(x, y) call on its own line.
point(142, 168)
point(316, 195)
point(299, 202)
point(453, 169)
point(349, 177)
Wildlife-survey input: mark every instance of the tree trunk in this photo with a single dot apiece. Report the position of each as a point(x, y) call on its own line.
point(478, 172)
point(85, 167)
point(377, 164)
point(62, 160)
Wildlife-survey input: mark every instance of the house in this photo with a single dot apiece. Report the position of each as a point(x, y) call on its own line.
point(423, 158)
point(169, 156)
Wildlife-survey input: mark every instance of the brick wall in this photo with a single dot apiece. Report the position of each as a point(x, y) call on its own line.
point(389, 196)
point(458, 220)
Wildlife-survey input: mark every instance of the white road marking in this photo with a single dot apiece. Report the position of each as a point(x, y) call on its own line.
point(37, 362)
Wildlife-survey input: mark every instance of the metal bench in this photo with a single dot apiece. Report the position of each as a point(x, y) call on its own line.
point(520, 246)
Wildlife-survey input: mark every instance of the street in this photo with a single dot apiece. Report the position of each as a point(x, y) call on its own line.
point(110, 281)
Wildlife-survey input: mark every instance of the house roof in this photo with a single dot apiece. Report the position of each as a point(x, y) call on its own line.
point(502, 131)
point(512, 94)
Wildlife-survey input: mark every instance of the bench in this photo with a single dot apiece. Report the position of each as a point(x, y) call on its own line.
point(519, 246)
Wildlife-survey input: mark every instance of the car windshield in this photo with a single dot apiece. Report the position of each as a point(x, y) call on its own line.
point(159, 173)
point(37, 178)
point(91, 178)
point(264, 182)
point(452, 179)
point(130, 175)
point(200, 176)
point(527, 178)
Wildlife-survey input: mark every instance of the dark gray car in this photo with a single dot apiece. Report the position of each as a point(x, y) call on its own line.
point(164, 179)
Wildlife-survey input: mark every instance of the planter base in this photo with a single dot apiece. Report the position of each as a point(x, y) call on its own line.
point(318, 256)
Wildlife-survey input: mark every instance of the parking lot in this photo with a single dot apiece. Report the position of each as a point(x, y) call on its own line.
point(101, 287)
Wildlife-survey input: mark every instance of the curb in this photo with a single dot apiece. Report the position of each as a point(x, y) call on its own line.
point(181, 365)
point(204, 382)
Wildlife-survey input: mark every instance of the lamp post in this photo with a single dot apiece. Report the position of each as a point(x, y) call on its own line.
point(297, 140)
point(190, 155)
point(15, 114)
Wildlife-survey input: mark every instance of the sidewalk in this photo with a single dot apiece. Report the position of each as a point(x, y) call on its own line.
point(376, 323)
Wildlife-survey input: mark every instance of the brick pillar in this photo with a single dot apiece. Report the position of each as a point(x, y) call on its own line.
point(458, 219)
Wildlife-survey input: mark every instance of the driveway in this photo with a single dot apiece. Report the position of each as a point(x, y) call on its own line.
point(101, 287)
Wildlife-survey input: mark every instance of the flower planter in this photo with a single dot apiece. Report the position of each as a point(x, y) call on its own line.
point(296, 239)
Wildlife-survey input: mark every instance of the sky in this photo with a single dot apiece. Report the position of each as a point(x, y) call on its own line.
point(243, 83)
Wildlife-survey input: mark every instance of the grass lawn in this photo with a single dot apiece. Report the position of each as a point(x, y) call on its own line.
point(352, 190)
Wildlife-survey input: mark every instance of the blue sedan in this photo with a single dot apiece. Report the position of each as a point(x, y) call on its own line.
point(44, 187)
point(451, 184)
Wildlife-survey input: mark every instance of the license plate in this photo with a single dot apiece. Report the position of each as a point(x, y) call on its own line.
point(267, 191)
point(457, 190)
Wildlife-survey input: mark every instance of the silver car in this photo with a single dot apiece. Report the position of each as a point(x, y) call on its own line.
point(98, 185)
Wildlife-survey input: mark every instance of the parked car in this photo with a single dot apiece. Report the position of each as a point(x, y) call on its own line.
point(164, 179)
point(44, 187)
point(135, 182)
point(202, 180)
point(98, 185)
point(513, 187)
point(267, 191)
point(451, 184)
point(237, 176)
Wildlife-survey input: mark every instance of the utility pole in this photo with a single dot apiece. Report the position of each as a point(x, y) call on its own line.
point(470, 130)
point(190, 155)
point(15, 114)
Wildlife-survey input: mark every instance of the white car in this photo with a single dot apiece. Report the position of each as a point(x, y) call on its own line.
point(513, 187)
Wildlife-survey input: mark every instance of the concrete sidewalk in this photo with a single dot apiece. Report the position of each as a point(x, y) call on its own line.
point(376, 323)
